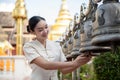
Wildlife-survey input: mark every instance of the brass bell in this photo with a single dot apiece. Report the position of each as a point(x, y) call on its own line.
point(106, 27)
point(86, 37)
point(86, 31)
point(76, 35)
point(64, 44)
point(70, 40)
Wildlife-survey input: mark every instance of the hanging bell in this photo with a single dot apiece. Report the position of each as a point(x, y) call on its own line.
point(86, 37)
point(64, 44)
point(106, 27)
point(76, 36)
point(70, 46)
point(76, 43)
point(86, 32)
point(70, 39)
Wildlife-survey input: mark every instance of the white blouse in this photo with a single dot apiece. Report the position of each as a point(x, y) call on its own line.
point(52, 52)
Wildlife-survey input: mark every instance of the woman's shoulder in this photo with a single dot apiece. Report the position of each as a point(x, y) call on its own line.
point(30, 43)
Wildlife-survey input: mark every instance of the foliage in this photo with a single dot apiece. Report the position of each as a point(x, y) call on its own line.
point(67, 76)
point(107, 66)
point(87, 72)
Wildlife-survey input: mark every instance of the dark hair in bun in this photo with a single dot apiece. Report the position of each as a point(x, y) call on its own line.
point(33, 21)
point(28, 28)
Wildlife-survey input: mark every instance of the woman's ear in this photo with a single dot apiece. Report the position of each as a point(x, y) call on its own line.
point(32, 32)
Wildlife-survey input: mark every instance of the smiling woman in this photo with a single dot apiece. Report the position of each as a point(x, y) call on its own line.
point(46, 57)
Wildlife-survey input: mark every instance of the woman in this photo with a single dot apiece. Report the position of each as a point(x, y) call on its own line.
point(45, 56)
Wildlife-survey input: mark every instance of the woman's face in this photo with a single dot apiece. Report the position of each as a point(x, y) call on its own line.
point(41, 30)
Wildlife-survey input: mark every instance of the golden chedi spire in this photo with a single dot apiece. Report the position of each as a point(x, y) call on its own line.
point(61, 22)
point(19, 14)
point(19, 10)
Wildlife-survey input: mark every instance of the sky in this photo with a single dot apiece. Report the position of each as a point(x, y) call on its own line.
point(48, 9)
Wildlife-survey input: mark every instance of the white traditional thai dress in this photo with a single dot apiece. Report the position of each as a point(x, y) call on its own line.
point(52, 52)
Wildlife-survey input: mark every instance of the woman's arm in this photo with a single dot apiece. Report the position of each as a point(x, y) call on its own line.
point(82, 61)
point(48, 65)
point(64, 67)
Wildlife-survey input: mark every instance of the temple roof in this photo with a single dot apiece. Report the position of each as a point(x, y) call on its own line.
point(6, 19)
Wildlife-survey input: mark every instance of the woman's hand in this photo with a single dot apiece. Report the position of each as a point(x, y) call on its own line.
point(81, 60)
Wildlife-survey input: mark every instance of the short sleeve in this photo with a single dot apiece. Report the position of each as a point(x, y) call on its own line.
point(62, 56)
point(30, 52)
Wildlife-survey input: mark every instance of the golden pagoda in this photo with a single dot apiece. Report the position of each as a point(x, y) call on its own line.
point(19, 14)
point(61, 22)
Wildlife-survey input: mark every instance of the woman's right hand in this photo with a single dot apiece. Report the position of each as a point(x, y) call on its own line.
point(81, 60)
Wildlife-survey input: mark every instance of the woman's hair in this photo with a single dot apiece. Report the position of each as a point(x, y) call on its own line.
point(33, 22)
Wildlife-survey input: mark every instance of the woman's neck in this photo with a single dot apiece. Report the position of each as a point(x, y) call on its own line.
point(42, 41)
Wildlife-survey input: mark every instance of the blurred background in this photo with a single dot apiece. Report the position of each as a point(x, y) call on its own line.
point(63, 18)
